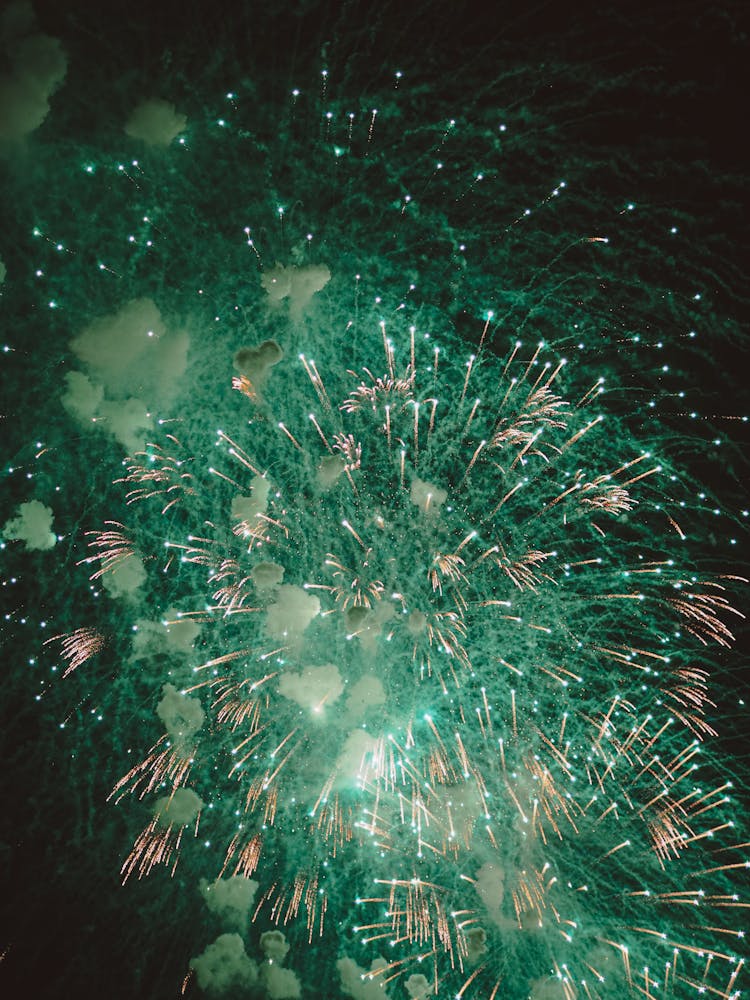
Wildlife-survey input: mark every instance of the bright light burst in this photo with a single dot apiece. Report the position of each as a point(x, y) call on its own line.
point(451, 645)
point(408, 643)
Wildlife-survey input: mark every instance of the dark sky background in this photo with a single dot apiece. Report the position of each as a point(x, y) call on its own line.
point(655, 94)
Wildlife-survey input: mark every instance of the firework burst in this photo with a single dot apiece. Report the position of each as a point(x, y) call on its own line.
point(403, 654)
point(443, 659)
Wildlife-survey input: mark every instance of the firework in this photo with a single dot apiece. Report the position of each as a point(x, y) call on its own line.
point(392, 606)
point(442, 659)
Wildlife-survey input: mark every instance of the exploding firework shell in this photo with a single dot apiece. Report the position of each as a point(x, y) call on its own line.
point(440, 653)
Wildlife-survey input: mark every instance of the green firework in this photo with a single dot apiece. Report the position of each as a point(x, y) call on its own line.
point(403, 614)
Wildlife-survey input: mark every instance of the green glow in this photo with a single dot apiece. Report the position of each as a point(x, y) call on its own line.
point(420, 629)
